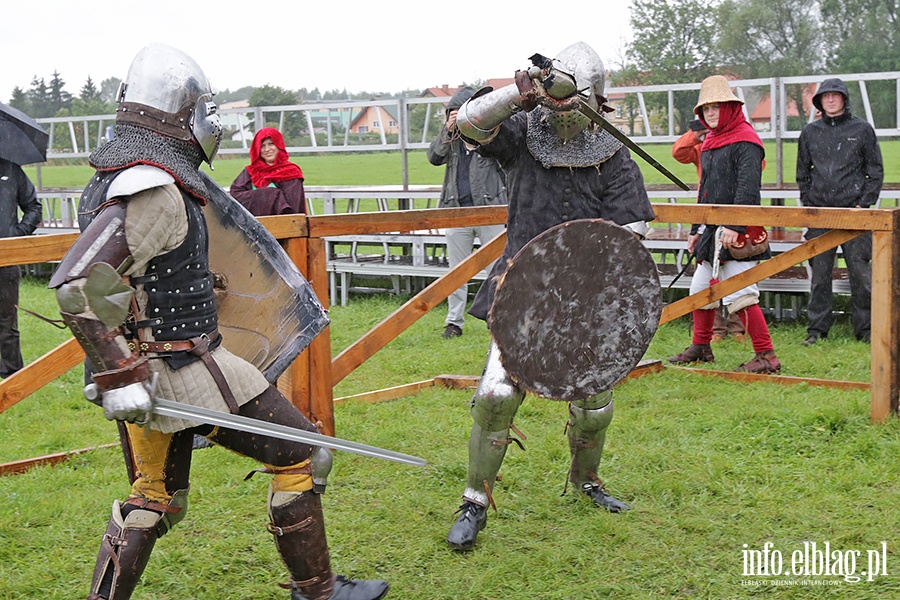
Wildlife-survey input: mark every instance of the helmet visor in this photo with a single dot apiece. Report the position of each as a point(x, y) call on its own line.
point(206, 126)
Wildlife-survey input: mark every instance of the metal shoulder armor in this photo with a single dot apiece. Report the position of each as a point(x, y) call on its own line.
point(137, 179)
point(479, 117)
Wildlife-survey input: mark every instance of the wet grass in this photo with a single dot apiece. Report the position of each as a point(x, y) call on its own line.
point(707, 465)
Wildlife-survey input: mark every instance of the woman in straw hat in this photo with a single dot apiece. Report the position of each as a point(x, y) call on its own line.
point(731, 159)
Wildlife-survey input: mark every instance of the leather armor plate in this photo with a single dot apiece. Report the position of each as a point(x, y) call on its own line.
point(576, 310)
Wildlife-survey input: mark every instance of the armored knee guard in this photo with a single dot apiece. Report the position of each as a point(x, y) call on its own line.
point(320, 464)
point(494, 405)
point(588, 420)
point(133, 529)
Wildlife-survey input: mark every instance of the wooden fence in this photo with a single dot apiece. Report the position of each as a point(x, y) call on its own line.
point(310, 380)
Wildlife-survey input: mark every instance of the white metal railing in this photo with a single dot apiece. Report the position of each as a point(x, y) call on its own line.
point(60, 214)
point(77, 137)
point(60, 207)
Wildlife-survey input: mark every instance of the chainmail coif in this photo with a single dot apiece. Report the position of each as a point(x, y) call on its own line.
point(589, 148)
point(133, 145)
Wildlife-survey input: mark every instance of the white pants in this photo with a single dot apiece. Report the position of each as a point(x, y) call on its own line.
point(729, 268)
point(460, 241)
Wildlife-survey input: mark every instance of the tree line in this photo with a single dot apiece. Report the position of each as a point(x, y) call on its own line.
point(684, 41)
point(674, 41)
point(43, 99)
point(51, 99)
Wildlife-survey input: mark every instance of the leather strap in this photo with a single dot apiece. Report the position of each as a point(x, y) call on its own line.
point(171, 346)
point(136, 370)
point(280, 531)
point(305, 470)
point(154, 506)
point(176, 125)
point(198, 346)
point(201, 349)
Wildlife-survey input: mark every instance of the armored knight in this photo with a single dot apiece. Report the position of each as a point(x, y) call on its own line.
point(137, 292)
point(560, 167)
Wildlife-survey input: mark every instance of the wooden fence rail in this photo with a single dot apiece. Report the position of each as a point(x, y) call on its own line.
point(310, 381)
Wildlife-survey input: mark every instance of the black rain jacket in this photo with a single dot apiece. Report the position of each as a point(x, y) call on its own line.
point(838, 158)
point(17, 192)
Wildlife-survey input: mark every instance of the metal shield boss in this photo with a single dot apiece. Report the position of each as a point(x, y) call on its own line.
point(576, 310)
point(268, 312)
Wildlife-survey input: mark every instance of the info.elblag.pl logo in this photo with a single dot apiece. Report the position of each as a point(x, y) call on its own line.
point(813, 561)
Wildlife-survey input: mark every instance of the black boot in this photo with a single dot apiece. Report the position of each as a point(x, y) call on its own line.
point(124, 553)
point(472, 519)
point(598, 494)
point(299, 530)
point(352, 589)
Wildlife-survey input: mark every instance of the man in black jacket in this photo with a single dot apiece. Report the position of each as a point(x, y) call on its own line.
point(16, 192)
point(839, 164)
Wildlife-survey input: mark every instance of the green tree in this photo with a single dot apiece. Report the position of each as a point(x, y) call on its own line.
point(242, 93)
point(674, 42)
point(19, 100)
point(90, 102)
point(270, 95)
point(771, 38)
point(39, 98)
point(626, 76)
point(863, 36)
point(89, 91)
point(108, 89)
point(59, 97)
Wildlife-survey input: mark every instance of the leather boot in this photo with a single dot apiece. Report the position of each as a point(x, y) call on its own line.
point(763, 362)
point(124, 553)
point(299, 530)
point(472, 519)
point(693, 353)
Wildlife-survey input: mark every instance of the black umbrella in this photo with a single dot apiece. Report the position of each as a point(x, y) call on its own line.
point(22, 140)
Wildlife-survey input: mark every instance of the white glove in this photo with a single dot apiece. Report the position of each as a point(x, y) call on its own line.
point(131, 403)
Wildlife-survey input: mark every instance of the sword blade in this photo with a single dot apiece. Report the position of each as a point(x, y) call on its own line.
point(180, 410)
point(597, 118)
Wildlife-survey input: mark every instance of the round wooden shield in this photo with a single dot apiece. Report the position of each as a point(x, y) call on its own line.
point(576, 310)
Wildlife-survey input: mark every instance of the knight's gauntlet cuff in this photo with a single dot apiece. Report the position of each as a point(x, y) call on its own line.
point(136, 370)
point(108, 350)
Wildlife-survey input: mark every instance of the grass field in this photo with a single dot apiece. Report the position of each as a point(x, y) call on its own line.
point(385, 168)
point(711, 468)
point(707, 465)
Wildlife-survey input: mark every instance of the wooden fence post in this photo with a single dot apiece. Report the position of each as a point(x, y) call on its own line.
point(319, 373)
point(885, 319)
point(294, 383)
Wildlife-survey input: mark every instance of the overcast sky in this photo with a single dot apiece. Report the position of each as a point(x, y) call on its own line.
point(386, 45)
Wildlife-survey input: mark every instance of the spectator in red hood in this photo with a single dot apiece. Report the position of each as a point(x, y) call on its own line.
point(271, 184)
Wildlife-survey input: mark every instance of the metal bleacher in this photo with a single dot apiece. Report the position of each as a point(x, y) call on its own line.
point(405, 262)
point(410, 259)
